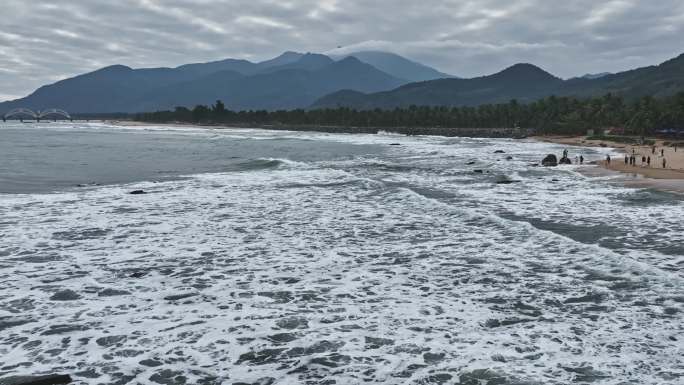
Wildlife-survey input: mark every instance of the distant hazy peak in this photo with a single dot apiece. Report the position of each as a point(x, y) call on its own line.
point(350, 60)
point(397, 65)
point(282, 59)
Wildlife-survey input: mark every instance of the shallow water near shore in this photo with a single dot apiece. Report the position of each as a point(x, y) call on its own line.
point(283, 257)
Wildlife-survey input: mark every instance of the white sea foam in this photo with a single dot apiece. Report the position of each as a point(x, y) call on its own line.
point(398, 267)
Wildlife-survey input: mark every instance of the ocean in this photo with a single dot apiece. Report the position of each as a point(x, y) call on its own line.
point(273, 257)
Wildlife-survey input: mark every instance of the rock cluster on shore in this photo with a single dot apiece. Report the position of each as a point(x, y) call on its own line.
point(550, 161)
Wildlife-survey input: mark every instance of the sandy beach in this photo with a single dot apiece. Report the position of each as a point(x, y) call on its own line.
point(641, 174)
point(674, 168)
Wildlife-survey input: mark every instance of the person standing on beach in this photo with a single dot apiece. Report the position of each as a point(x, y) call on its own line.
point(643, 159)
point(581, 159)
point(626, 159)
point(662, 152)
point(664, 163)
point(648, 161)
point(608, 159)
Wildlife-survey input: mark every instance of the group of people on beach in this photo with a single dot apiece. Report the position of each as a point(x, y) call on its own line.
point(631, 160)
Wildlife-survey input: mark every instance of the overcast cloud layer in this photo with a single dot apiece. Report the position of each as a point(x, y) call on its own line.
point(44, 41)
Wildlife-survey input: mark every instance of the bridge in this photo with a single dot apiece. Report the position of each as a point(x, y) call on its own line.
point(22, 113)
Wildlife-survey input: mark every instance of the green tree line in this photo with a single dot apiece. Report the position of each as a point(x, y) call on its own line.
point(551, 115)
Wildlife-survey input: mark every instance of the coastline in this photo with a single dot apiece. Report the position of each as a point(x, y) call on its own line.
point(670, 179)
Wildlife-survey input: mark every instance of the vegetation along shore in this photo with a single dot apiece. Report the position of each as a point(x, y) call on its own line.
point(548, 116)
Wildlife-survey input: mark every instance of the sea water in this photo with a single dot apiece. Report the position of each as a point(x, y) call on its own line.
point(266, 257)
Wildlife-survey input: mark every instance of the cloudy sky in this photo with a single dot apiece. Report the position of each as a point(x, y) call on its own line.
point(44, 41)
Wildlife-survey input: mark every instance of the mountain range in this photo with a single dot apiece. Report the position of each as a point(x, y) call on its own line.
point(523, 82)
point(291, 80)
point(361, 80)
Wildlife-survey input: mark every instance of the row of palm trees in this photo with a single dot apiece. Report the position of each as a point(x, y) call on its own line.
point(561, 115)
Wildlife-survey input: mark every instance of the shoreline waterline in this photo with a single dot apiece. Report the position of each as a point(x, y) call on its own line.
point(668, 180)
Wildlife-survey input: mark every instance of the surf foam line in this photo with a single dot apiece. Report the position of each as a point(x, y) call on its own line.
point(653, 271)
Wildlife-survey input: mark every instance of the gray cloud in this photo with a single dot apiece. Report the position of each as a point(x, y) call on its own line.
point(44, 41)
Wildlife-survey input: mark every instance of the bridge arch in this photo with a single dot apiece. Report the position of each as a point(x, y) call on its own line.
point(19, 112)
point(22, 113)
point(53, 112)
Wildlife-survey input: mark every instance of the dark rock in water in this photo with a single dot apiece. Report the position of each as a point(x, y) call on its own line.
point(603, 145)
point(177, 297)
point(472, 162)
point(499, 152)
point(506, 180)
point(534, 164)
point(478, 171)
point(53, 379)
point(509, 158)
point(112, 293)
point(395, 144)
point(565, 160)
point(138, 192)
point(65, 295)
point(550, 161)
